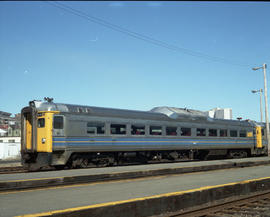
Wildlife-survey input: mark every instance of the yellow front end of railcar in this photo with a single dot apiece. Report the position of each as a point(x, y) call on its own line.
point(45, 131)
point(37, 137)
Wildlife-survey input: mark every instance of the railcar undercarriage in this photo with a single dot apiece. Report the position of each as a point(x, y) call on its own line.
point(84, 160)
point(36, 162)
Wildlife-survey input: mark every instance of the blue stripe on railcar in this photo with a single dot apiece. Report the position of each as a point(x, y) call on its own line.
point(60, 141)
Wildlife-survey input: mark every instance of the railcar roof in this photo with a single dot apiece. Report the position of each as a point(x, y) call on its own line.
point(157, 113)
point(93, 110)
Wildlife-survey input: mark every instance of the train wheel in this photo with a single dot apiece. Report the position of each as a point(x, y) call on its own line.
point(102, 163)
point(84, 163)
point(238, 154)
point(33, 167)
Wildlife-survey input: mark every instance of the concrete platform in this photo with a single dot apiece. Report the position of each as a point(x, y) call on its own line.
point(64, 177)
point(136, 197)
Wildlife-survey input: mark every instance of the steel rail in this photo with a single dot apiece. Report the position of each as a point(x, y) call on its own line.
point(249, 206)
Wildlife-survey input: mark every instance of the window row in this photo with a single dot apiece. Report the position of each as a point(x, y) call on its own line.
point(222, 132)
point(121, 129)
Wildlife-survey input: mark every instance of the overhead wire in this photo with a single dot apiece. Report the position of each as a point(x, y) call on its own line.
point(143, 37)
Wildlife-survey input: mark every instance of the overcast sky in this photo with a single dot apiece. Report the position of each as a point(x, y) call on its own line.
point(49, 51)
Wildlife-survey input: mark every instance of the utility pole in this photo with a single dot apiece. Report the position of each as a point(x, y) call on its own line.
point(260, 91)
point(266, 109)
point(266, 106)
point(261, 105)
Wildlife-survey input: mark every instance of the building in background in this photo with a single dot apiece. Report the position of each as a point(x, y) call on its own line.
point(10, 148)
point(5, 117)
point(220, 113)
point(10, 126)
point(14, 130)
point(3, 132)
point(10, 136)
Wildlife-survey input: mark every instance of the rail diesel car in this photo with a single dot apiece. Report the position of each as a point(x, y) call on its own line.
point(63, 135)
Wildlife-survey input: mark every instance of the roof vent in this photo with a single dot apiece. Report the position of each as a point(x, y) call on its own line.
point(48, 99)
point(80, 110)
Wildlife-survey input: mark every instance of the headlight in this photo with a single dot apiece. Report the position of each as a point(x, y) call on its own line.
point(43, 140)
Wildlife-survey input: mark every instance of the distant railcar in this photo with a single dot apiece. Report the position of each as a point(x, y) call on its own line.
point(63, 135)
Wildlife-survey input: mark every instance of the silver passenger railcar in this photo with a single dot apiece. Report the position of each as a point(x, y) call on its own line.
point(59, 135)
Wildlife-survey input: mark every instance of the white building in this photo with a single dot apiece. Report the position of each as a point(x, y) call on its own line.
point(3, 132)
point(10, 148)
point(220, 113)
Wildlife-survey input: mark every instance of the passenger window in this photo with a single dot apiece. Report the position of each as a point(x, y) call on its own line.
point(118, 129)
point(41, 122)
point(58, 122)
point(223, 133)
point(262, 132)
point(233, 133)
point(137, 130)
point(95, 128)
point(185, 131)
point(243, 133)
point(155, 130)
point(201, 132)
point(212, 132)
point(171, 131)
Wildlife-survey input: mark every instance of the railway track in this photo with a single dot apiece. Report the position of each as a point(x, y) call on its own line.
point(253, 206)
point(10, 170)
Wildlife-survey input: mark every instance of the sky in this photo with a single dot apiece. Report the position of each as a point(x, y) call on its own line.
point(47, 51)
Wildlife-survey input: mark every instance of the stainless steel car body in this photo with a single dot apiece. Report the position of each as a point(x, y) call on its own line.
point(73, 138)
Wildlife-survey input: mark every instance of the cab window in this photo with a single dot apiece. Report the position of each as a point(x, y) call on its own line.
point(41, 122)
point(58, 122)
